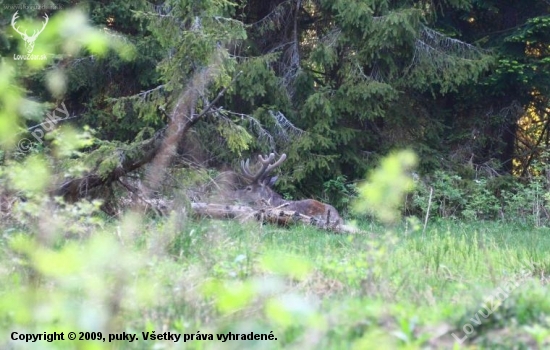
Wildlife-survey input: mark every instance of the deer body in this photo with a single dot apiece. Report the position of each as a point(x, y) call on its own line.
point(258, 192)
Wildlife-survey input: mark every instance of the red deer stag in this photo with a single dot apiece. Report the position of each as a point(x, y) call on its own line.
point(258, 192)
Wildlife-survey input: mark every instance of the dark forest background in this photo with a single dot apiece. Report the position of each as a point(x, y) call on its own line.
point(336, 85)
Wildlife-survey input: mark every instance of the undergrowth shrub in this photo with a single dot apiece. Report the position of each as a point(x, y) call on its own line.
point(340, 193)
point(502, 198)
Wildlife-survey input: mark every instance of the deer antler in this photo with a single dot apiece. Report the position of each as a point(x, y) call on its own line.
point(265, 169)
point(269, 160)
point(34, 34)
point(249, 175)
point(13, 19)
point(44, 26)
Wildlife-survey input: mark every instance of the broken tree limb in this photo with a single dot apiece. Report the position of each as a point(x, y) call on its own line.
point(131, 158)
point(156, 151)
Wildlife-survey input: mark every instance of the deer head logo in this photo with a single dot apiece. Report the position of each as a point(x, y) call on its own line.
point(29, 40)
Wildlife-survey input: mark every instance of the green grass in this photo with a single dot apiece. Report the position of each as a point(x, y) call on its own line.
point(397, 289)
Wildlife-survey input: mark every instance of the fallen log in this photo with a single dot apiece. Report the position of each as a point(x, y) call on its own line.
point(221, 211)
point(273, 215)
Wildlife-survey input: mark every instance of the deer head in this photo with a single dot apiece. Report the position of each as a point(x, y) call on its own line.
point(29, 40)
point(258, 189)
point(258, 192)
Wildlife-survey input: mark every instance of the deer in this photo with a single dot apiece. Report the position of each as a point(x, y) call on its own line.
point(258, 192)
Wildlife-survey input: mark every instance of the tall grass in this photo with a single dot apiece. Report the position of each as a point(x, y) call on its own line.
point(309, 288)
